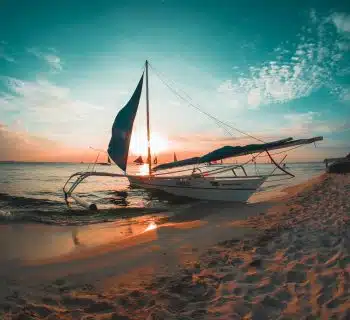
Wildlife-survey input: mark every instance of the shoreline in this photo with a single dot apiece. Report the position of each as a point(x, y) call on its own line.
point(279, 255)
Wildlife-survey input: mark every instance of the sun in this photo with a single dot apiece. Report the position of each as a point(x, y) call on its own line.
point(138, 143)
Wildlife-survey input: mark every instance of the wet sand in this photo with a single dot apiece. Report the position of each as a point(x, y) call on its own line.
point(285, 258)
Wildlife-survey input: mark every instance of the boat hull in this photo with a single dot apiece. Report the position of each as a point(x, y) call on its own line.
point(232, 190)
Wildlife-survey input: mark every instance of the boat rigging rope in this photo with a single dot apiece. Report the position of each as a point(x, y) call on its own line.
point(273, 154)
point(219, 122)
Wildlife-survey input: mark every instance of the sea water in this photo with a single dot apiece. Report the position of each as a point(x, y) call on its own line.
point(32, 192)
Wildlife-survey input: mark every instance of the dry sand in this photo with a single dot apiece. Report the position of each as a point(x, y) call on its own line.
point(283, 259)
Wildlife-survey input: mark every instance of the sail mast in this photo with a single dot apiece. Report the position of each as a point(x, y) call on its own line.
point(149, 160)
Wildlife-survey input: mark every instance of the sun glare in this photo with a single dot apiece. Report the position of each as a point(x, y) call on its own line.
point(151, 226)
point(143, 169)
point(138, 143)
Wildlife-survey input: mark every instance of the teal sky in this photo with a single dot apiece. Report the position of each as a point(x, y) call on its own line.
point(271, 68)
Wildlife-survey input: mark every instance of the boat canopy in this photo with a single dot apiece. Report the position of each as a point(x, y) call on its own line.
point(237, 151)
point(118, 148)
point(180, 163)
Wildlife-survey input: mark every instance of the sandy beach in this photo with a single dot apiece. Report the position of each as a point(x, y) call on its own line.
point(282, 258)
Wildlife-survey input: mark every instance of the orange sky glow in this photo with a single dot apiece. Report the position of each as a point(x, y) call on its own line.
point(21, 146)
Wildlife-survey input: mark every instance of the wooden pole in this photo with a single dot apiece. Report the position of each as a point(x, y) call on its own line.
point(149, 160)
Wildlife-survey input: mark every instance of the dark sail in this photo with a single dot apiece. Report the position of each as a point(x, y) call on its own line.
point(118, 148)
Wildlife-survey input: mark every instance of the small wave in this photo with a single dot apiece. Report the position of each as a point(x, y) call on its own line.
point(25, 202)
point(52, 219)
point(5, 213)
point(75, 217)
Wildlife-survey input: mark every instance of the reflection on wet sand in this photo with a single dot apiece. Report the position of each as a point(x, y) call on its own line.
point(151, 226)
point(108, 234)
point(111, 256)
point(75, 237)
point(37, 242)
point(150, 249)
point(30, 242)
point(48, 242)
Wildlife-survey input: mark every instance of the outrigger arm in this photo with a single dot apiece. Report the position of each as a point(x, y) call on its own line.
point(80, 177)
point(278, 165)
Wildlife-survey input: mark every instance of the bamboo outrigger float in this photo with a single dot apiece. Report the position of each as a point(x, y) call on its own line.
point(200, 181)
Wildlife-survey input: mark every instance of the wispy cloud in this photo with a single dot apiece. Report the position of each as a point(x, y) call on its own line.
point(22, 146)
point(50, 110)
point(293, 73)
point(302, 117)
point(312, 123)
point(344, 94)
point(49, 56)
point(3, 54)
point(341, 21)
point(306, 124)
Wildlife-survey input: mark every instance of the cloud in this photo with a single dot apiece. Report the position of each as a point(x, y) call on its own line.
point(341, 21)
point(3, 54)
point(301, 117)
point(294, 71)
point(305, 124)
point(22, 146)
point(344, 94)
point(311, 123)
point(49, 57)
point(50, 110)
point(344, 126)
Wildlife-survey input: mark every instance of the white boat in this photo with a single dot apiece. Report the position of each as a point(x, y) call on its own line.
point(203, 188)
point(197, 180)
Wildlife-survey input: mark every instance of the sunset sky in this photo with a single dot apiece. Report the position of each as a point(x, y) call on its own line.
point(274, 69)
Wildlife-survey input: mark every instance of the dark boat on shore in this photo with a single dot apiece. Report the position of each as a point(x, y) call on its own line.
point(338, 165)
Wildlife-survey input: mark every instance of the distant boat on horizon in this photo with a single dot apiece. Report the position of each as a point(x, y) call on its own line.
point(139, 160)
point(108, 163)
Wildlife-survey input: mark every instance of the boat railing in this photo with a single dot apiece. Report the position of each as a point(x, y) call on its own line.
point(241, 167)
